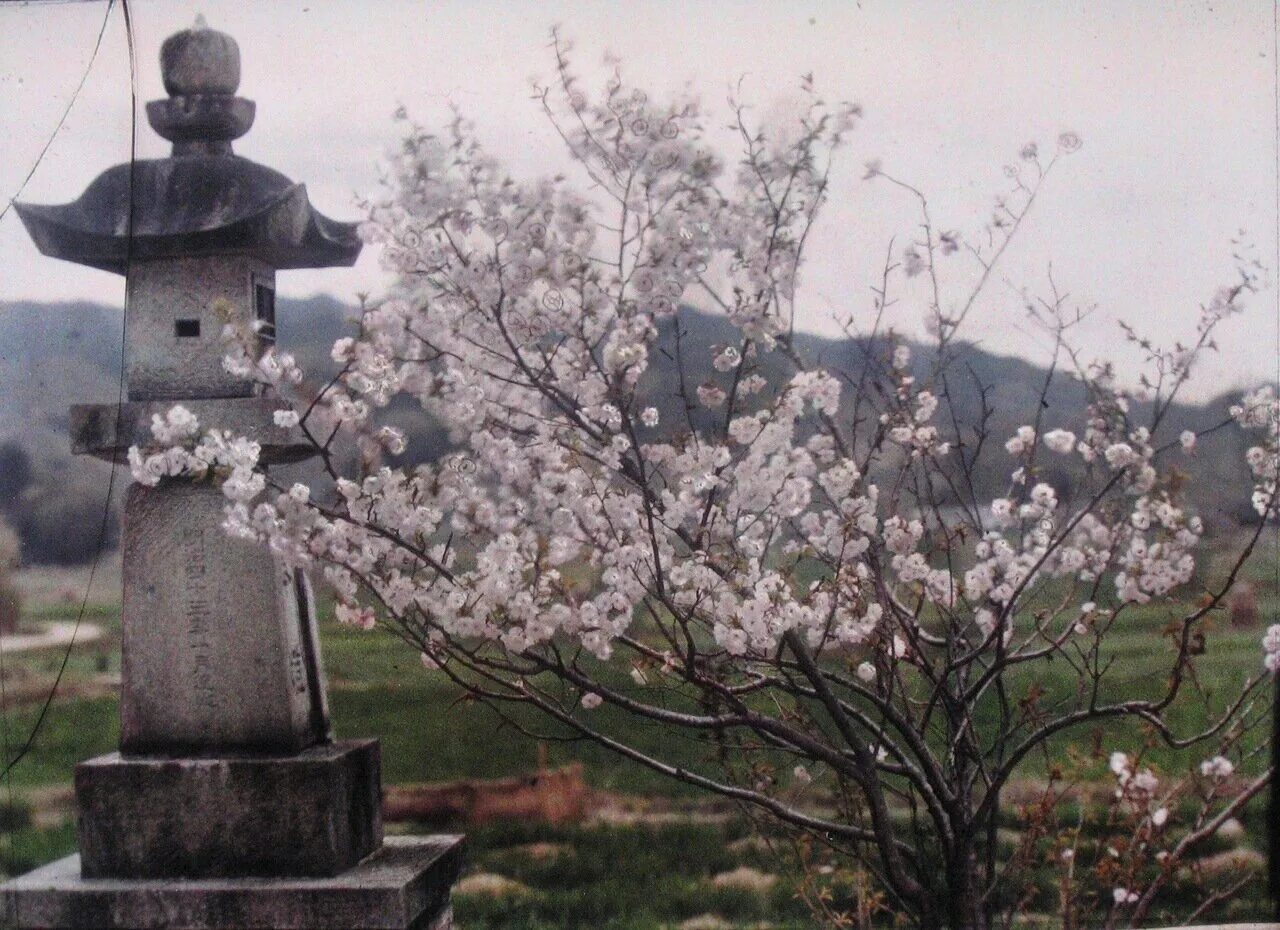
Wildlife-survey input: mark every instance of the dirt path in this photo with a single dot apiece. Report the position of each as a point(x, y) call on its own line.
point(56, 635)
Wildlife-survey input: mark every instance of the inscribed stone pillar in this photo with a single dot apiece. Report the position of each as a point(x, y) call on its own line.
point(219, 646)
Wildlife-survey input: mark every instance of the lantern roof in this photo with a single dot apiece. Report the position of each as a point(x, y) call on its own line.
point(203, 199)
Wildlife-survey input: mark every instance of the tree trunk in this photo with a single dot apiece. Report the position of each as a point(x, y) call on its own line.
point(964, 908)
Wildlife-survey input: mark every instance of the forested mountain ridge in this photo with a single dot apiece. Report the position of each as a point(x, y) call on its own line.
point(55, 354)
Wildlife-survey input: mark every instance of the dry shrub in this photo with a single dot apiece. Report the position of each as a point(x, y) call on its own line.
point(10, 600)
point(1244, 606)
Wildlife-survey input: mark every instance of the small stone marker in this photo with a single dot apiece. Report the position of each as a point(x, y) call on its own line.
point(229, 804)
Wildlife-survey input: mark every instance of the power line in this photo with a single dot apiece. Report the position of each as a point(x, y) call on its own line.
point(70, 103)
point(25, 3)
point(4, 720)
point(111, 481)
point(1273, 807)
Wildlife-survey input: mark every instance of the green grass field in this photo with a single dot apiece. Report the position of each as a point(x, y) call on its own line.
point(636, 875)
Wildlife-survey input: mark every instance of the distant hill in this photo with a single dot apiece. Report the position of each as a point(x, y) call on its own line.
point(56, 354)
point(53, 355)
point(1218, 479)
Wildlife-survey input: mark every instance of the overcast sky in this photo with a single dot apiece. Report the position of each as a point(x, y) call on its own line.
point(1175, 103)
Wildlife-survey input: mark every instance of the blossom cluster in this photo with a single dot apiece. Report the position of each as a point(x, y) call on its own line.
point(1260, 411)
point(184, 453)
point(524, 318)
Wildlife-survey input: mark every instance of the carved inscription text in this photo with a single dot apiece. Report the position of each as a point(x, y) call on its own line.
point(199, 606)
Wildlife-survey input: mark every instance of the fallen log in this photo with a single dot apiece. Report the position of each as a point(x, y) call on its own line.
point(546, 796)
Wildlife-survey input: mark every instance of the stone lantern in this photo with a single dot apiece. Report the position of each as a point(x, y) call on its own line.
point(229, 804)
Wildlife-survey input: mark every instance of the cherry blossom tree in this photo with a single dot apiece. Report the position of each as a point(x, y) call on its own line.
point(799, 574)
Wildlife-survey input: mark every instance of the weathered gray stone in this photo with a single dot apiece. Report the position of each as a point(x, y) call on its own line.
point(98, 429)
point(199, 204)
point(177, 310)
point(219, 642)
point(403, 886)
point(201, 124)
point(200, 61)
point(204, 201)
point(201, 69)
point(316, 813)
point(227, 793)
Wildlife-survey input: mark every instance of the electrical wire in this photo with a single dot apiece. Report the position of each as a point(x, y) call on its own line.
point(4, 703)
point(1273, 814)
point(111, 481)
point(70, 103)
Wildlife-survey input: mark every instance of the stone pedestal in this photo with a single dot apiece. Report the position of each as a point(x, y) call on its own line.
point(316, 813)
point(403, 886)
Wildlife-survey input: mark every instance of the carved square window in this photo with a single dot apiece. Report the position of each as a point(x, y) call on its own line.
point(264, 311)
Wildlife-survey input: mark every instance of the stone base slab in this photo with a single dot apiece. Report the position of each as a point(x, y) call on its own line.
point(316, 813)
point(107, 430)
point(405, 885)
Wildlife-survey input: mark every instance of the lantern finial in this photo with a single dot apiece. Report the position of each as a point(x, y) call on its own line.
point(201, 71)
